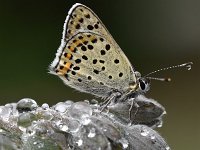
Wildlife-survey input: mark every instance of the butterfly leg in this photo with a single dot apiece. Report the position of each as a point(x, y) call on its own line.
point(133, 103)
point(110, 99)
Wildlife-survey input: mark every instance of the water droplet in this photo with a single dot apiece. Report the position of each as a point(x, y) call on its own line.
point(46, 115)
point(79, 142)
point(5, 112)
point(64, 128)
point(94, 102)
point(104, 129)
point(26, 104)
point(25, 119)
point(124, 143)
point(129, 124)
point(80, 110)
point(68, 103)
point(61, 107)
point(73, 126)
point(85, 120)
point(87, 101)
point(45, 106)
point(152, 137)
point(92, 133)
point(144, 132)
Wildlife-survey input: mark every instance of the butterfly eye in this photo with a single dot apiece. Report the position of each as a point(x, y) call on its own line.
point(142, 85)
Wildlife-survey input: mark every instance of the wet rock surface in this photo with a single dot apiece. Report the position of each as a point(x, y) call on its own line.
point(81, 125)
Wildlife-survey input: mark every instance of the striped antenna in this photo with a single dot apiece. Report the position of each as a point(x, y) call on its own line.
point(187, 65)
point(159, 79)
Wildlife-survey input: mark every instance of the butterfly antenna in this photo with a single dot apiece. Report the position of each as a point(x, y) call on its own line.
point(159, 79)
point(187, 65)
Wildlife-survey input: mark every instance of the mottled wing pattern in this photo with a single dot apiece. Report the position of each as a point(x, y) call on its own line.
point(89, 59)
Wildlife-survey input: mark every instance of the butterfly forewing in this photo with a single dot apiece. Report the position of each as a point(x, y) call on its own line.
point(89, 59)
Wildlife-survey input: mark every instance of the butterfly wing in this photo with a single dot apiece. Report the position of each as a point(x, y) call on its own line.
point(89, 59)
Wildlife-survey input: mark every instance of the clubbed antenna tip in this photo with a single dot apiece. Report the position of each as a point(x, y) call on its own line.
point(187, 65)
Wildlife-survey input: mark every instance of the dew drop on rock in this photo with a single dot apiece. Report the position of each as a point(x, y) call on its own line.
point(5, 112)
point(74, 126)
point(79, 142)
point(61, 107)
point(80, 110)
point(144, 132)
point(45, 106)
point(25, 119)
point(92, 133)
point(26, 104)
point(152, 137)
point(124, 143)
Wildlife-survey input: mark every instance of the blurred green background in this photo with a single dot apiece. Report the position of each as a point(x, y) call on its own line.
point(152, 33)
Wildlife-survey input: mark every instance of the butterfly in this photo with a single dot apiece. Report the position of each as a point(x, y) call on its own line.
point(89, 60)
